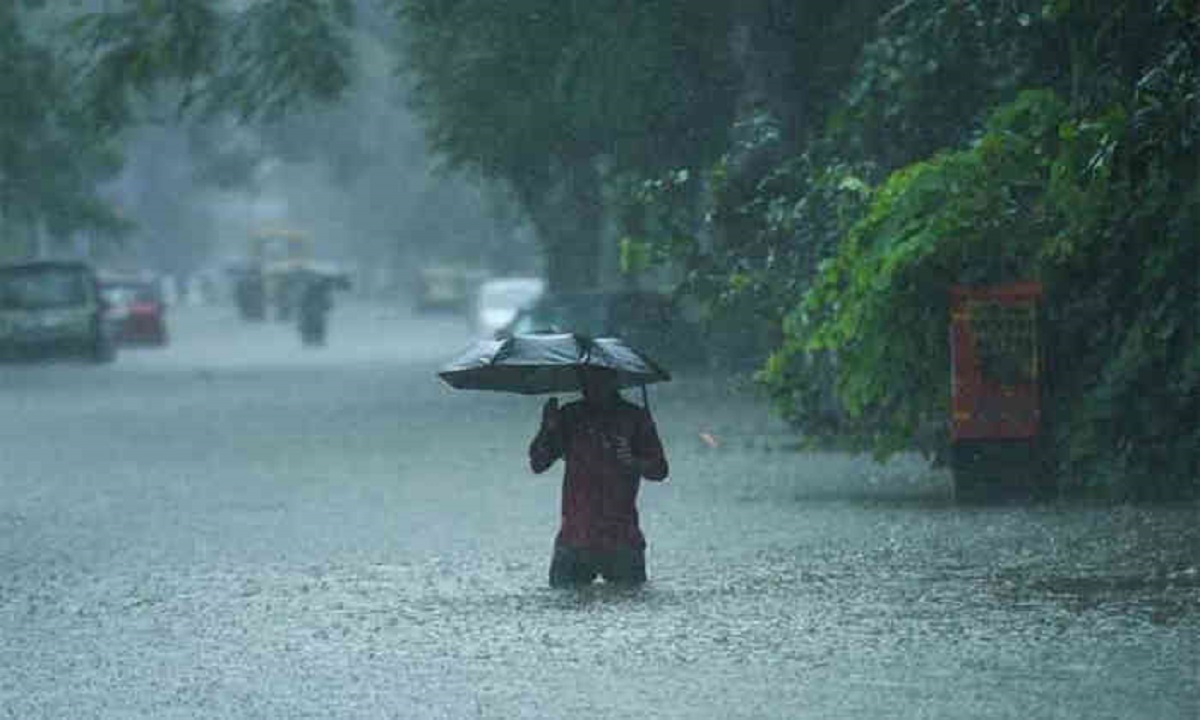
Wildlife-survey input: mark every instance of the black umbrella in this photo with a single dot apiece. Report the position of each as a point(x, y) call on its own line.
point(539, 364)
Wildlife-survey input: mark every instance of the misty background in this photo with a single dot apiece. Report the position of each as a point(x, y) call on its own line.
point(355, 176)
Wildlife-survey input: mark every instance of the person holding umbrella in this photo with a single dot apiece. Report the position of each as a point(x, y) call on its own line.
point(316, 301)
point(608, 446)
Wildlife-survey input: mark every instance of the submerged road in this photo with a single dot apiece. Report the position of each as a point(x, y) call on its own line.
point(235, 527)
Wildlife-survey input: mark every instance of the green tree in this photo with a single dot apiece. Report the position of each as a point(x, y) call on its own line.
point(554, 97)
point(67, 94)
point(747, 230)
point(1104, 210)
point(258, 59)
point(880, 305)
point(934, 167)
point(51, 155)
point(933, 71)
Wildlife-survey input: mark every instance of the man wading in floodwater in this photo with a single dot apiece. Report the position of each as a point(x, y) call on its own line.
point(608, 446)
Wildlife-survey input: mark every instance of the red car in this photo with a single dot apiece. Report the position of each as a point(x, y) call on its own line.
point(138, 310)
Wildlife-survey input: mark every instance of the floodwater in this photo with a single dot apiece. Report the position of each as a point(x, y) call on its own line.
point(234, 527)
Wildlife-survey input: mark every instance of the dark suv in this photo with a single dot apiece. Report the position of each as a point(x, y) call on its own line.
point(649, 321)
point(53, 308)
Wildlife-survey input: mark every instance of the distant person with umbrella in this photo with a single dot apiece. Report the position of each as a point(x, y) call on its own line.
point(608, 445)
point(316, 301)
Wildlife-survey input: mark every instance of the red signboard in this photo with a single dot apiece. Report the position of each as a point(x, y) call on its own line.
point(995, 361)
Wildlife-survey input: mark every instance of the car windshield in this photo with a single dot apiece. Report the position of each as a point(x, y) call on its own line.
point(131, 292)
point(38, 288)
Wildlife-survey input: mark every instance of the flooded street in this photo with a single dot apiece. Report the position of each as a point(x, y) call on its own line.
point(234, 527)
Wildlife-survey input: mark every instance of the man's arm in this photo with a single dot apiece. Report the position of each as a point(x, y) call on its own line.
point(649, 458)
point(546, 446)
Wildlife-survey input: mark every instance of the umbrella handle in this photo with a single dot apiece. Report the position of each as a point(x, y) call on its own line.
point(645, 398)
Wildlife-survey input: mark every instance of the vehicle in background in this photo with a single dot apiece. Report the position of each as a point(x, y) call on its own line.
point(446, 288)
point(138, 308)
point(650, 321)
point(498, 301)
point(53, 309)
point(264, 279)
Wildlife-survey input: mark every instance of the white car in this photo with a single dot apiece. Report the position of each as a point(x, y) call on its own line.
point(499, 300)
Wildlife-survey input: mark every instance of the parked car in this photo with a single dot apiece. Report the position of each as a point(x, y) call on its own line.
point(650, 321)
point(53, 309)
point(137, 306)
point(499, 300)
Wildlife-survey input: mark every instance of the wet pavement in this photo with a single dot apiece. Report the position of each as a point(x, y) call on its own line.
point(235, 527)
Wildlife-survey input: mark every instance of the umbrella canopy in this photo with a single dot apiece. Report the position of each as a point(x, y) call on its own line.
point(334, 277)
point(538, 364)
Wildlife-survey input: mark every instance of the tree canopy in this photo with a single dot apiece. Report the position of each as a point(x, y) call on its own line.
point(547, 95)
point(1088, 184)
point(51, 154)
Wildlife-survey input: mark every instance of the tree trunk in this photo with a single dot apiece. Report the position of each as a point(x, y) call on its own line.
point(568, 213)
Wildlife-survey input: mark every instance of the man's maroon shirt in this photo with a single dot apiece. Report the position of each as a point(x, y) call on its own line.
point(599, 493)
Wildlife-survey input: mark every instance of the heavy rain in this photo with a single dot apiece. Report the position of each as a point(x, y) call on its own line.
point(903, 291)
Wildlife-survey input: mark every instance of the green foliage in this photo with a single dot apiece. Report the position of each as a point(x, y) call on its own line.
point(1103, 210)
point(657, 216)
point(1127, 268)
point(63, 106)
point(258, 62)
point(507, 86)
point(880, 305)
point(1089, 186)
point(283, 53)
point(476, 81)
point(51, 154)
point(145, 43)
point(755, 248)
point(929, 77)
point(542, 94)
